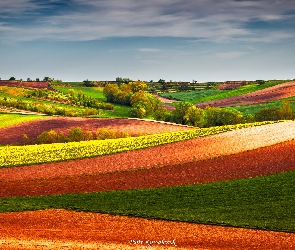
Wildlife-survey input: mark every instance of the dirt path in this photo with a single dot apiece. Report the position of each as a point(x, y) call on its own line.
point(71, 229)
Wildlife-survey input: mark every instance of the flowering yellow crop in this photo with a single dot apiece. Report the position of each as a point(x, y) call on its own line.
point(45, 153)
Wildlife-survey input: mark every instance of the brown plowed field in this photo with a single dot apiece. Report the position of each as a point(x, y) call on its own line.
point(35, 85)
point(232, 142)
point(268, 160)
point(59, 229)
point(14, 134)
point(276, 92)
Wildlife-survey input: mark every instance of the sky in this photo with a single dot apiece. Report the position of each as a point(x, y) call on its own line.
point(185, 40)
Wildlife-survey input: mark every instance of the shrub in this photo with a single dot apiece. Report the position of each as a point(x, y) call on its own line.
point(285, 112)
point(221, 116)
point(267, 114)
point(104, 133)
point(76, 134)
point(160, 114)
point(88, 135)
point(194, 116)
point(61, 137)
point(47, 137)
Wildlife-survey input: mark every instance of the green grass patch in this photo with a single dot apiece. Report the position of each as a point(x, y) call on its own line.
point(95, 92)
point(252, 109)
point(7, 120)
point(266, 202)
point(211, 95)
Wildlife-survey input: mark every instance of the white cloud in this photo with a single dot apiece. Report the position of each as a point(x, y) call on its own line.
point(95, 19)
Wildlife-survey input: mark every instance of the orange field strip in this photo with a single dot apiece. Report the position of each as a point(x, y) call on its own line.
point(69, 228)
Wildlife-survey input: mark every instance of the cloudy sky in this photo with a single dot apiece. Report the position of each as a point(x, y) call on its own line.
point(178, 40)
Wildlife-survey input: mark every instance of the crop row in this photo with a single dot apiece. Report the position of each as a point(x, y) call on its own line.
point(46, 153)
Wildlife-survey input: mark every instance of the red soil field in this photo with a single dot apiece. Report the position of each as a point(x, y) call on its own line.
point(263, 161)
point(59, 229)
point(276, 92)
point(14, 134)
point(53, 229)
point(232, 142)
point(35, 85)
point(229, 86)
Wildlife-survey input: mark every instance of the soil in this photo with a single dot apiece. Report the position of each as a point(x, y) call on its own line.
point(208, 161)
point(276, 92)
point(14, 134)
point(197, 149)
point(263, 161)
point(60, 229)
point(35, 85)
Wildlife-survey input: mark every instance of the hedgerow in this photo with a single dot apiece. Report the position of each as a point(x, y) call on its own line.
point(45, 153)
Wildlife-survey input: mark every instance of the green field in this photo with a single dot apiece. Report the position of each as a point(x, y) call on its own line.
point(211, 95)
point(266, 202)
point(7, 120)
point(95, 92)
point(120, 111)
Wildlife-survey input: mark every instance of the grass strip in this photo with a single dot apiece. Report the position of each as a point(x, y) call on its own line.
point(45, 153)
point(7, 120)
point(266, 202)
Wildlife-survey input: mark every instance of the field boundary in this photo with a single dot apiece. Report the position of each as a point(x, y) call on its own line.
point(163, 122)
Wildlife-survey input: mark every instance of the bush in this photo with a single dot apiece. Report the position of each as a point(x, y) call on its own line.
point(61, 137)
point(47, 137)
point(76, 134)
point(286, 112)
point(104, 133)
point(267, 114)
point(88, 135)
point(221, 116)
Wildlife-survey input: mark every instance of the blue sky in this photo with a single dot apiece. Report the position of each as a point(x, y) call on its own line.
point(185, 40)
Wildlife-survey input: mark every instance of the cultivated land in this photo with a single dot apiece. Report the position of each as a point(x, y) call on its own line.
point(280, 91)
point(14, 134)
point(247, 157)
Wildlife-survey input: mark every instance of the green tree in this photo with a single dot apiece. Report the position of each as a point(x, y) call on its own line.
point(267, 114)
point(194, 116)
point(286, 112)
point(138, 86)
point(222, 116)
point(180, 111)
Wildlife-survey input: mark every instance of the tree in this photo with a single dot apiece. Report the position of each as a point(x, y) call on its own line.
point(286, 112)
point(221, 116)
point(267, 114)
point(138, 86)
point(179, 112)
point(194, 116)
point(110, 91)
point(12, 78)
